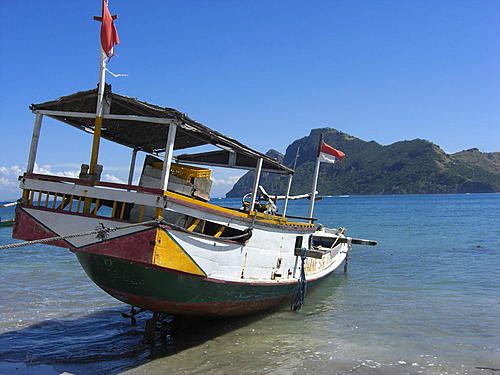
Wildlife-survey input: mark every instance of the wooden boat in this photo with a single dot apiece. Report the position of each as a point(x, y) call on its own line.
point(160, 244)
point(6, 223)
point(197, 258)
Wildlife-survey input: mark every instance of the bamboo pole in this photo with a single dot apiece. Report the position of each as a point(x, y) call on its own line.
point(256, 184)
point(34, 143)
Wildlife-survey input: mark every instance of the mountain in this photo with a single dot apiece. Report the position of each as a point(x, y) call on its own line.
point(406, 167)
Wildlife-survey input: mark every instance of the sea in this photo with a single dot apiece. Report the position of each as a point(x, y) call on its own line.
point(425, 300)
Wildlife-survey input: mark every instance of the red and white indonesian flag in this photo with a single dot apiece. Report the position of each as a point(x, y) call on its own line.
point(328, 154)
point(109, 35)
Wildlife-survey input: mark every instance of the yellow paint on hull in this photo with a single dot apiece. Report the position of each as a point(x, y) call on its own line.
point(169, 254)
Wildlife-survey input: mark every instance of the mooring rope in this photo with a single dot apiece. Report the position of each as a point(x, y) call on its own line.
point(298, 299)
point(102, 234)
point(101, 231)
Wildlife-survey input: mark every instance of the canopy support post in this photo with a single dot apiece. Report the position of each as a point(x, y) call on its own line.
point(34, 143)
point(167, 162)
point(256, 184)
point(290, 177)
point(132, 166)
point(169, 150)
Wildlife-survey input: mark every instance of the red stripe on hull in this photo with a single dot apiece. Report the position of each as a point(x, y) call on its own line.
point(137, 247)
point(28, 229)
point(208, 309)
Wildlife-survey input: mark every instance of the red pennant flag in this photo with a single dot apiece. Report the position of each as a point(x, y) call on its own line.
point(109, 35)
point(328, 154)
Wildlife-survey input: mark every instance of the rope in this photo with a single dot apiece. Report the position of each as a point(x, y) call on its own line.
point(298, 299)
point(101, 232)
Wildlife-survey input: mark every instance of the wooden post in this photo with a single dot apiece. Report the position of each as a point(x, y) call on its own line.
point(169, 150)
point(96, 140)
point(132, 166)
point(98, 119)
point(256, 184)
point(167, 162)
point(34, 143)
point(290, 177)
point(290, 181)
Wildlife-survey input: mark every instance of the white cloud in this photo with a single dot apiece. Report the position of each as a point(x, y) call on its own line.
point(9, 184)
point(14, 170)
point(9, 190)
point(230, 180)
point(112, 178)
point(47, 169)
point(6, 183)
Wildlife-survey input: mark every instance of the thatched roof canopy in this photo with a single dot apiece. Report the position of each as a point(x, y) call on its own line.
point(149, 136)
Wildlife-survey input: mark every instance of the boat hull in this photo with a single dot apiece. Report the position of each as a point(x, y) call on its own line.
point(178, 293)
point(162, 269)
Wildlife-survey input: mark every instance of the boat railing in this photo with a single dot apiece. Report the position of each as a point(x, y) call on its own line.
point(129, 203)
point(91, 198)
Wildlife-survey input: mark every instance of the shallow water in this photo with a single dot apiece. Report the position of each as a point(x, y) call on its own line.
point(425, 300)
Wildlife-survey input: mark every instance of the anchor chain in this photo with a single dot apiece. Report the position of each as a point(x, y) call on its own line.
point(298, 299)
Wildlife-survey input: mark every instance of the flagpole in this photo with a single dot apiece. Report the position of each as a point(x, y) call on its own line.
point(98, 115)
point(315, 179)
point(100, 100)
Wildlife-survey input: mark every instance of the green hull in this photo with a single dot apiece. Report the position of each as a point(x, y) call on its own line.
point(160, 289)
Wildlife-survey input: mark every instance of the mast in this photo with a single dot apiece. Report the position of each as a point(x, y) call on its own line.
point(315, 179)
point(108, 38)
point(99, 109)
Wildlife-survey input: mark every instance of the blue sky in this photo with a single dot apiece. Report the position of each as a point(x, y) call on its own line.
point(260, 71)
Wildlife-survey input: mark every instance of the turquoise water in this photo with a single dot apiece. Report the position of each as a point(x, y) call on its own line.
point(425, 300)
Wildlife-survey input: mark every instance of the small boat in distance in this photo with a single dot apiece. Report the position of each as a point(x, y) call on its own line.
point(6, 222)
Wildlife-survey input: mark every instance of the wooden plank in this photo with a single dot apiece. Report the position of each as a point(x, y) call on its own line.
point(354, 241)
point(194, 225)
point(90, 183)
point(221, 229)
point(93, 192)
point(317, 254)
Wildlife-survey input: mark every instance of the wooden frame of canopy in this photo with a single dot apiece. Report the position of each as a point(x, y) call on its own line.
point(153, 129)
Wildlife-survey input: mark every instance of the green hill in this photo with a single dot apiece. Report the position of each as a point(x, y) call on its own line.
point(406, 167)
